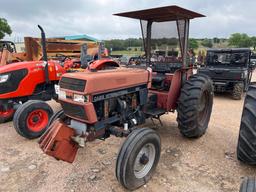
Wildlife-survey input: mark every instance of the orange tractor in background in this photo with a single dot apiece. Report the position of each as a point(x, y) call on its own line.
point(97, 104)
point(7, 52)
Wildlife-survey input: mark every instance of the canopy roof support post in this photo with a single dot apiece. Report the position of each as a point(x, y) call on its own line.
point(148, 42)
point(185, 45)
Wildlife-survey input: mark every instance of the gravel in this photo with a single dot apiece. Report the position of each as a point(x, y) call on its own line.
point(207, 164)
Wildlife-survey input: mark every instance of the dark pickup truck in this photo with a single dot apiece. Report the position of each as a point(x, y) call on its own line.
point(230, 70)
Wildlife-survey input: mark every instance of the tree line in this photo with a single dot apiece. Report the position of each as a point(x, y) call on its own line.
point(239, 40)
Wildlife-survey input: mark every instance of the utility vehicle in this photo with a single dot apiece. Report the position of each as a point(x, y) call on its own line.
point(98, 104)
point(229, 69)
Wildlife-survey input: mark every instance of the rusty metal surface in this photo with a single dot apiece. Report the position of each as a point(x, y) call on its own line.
point(54, 46)
point(169, 13)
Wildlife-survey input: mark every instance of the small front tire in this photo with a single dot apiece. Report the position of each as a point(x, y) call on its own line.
point(31, 119)
point(248, 185)
point(138, 158)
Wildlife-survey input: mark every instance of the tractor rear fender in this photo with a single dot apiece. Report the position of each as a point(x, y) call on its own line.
point(175, 87)
point(174, 91)
point(103, 63)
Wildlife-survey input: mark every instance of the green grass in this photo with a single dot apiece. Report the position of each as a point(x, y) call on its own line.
point(130, 53)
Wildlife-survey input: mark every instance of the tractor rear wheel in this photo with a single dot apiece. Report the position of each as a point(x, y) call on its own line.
point(31, 119)
point(6, 115)
point(138, 158)
point(195, 106)
point(237, 91)
point(248, 185)
point(246, 148)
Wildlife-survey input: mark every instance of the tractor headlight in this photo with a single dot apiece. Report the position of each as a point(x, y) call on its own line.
point(4, 78)
point(80, 98)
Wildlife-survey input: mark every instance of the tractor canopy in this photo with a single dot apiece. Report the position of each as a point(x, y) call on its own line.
point(165, 32)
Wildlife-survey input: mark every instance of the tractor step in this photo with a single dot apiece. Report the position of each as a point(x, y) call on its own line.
point(155, 112)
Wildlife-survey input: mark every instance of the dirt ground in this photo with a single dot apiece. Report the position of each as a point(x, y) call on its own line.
point(207, 164)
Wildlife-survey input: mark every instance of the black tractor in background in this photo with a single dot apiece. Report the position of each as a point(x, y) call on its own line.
point(230, 70)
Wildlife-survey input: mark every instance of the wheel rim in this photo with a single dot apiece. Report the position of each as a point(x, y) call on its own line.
point(203, 107)
point(37, 120)
point(144, 160)
point(7, 113)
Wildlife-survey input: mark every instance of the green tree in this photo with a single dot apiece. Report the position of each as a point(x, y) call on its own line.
point(193, 44)
point(216, 40)
point(253, 41)
point(4, 28)
point(240, 40)
point(207, 43)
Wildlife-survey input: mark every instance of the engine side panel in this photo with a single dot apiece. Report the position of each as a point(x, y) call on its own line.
point(110, 80)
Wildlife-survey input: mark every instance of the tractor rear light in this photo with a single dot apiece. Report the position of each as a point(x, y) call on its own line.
point(4, 78)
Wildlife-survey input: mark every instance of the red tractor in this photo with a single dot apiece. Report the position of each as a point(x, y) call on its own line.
point(37, 80)
point(98, 104)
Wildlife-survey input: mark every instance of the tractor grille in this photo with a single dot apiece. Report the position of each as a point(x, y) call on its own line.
point(14, 80)
point(73, 110)
point(72, 84)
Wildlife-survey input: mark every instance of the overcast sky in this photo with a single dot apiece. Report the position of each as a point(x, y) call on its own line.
point(94, 17)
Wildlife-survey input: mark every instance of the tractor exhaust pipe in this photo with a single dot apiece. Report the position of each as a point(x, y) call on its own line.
point(43, 44)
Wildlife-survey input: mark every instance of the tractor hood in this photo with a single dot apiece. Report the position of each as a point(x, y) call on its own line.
point(105, 80)
point(24, 65)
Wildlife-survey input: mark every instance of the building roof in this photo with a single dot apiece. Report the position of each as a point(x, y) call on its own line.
point(161, 14)
point(81, 37)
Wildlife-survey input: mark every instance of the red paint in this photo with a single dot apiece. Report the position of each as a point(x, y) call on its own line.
point(34, 77)
point(7, 113)
point(37, 120)
point(36, 74)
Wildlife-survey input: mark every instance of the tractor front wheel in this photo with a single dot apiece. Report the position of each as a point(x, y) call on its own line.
point(138, 158)
point(248, 185)
point(31, 119)
point(6, 115)
point(246, 148)
point(195, 106)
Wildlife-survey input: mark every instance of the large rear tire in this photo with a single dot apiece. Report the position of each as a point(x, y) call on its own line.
point(248, 185)
point(138, 158)
point(31, 119)
point(238, 90)
point(195, 106)
point(246, 148)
